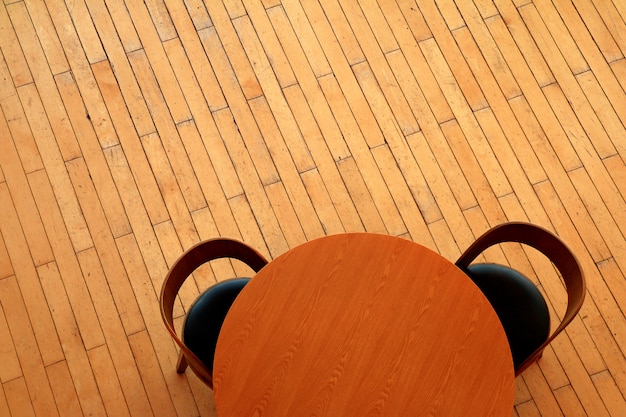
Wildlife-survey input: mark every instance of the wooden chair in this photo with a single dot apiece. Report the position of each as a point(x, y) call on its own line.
point(517, 301)
point(205, 317)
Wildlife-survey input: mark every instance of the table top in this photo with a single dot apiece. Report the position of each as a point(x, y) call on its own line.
point(362, 325)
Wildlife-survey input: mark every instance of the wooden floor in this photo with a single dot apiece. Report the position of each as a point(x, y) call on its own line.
point(131, 130)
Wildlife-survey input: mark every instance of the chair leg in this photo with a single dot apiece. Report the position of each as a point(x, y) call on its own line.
point(181, 365)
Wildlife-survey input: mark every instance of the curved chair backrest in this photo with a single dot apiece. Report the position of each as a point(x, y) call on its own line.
point(554, 249)
point(188, 262)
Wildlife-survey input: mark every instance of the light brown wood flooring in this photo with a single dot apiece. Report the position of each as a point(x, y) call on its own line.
point(130, 130)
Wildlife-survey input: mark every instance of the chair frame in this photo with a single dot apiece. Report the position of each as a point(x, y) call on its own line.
point(184, 266)
point(555, 250)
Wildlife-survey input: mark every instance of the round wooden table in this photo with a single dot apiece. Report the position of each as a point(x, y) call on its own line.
point(362, 325)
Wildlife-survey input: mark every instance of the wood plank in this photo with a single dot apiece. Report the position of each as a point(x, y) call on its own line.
point(235, 8)
point(602, 35)
point(10, 368)
point(26, 277)
point(478, 185)
point(376, 20)
point(457, 64)
point(386, 100)
point(159, 63)
point(133, 151)
point(151, 374)
point(73, 347)
point(123, 81)
point(204, 124)
point(612, 397)
point(63, 388)
point(320, 26)
point(405, 33)
point(24, 334)
point(415, 19)
point(311, 90)
point(187, 51)
point(18, 401)
point(167, 239)
point(208, 177)
point(443, 240)
point(360, 196)
point(567, 82)
point(11, 50)
point(239, 109)
point(619, 69)
point(54, 164)
point(46, 87)
point(119, 16)
point(488, 50)
point(198, 13)
point(486, 8)
point(271, 45)
point(117, 342)
point(13, 122)
point(606, 114)
point(66, 261)
point(4, 407)
point(450, 13)
point(362, 156)
point(504, 114)
point(248, 83)
point(86, 30)
point(108, 382)
point(171, 141)
point(318, 145)
point(616, 167)
point(402, 196)
point(609, 223)
point(252, 184)
point(569, 403)
point(170, 189)
point(6, 269)
point(105, 245)
point(138, 216)
point(321, 200)
point(526, 51)
point(439, 186)
point(592, 54)
point(153, 348)
point(282, 117)
point(92, 152)
point(161, 19)
point(286, 214)
point(287, 167)
point(22, 199)
point(93, 106)
point(47, 35)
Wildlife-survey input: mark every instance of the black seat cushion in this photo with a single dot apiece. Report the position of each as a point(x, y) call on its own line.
point(521, 308)
point(206, 316)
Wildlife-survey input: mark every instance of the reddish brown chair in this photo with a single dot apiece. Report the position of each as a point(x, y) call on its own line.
point(205, 317)
point(517, 301)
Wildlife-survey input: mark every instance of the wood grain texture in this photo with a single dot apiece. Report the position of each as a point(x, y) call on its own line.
point(362, 324)
point(148, 126)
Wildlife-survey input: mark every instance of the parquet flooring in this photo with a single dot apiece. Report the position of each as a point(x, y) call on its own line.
point(130, 130)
